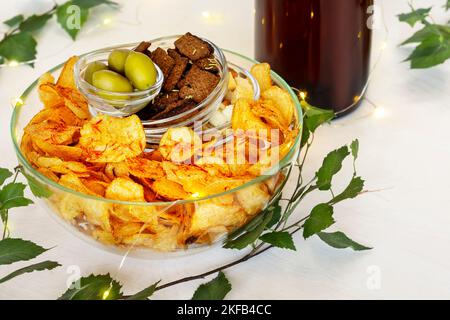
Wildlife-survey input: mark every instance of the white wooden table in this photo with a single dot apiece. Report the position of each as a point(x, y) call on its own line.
point(405, 151)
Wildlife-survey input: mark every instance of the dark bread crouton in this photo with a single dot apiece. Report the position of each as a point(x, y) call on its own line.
point(174, 54)
point(193, 47)
point(198, 84)
point(176, 74)
point(208, 64)
point(142, 47)
point(163, 60)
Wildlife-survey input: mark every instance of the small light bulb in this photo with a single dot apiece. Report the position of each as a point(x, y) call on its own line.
point(107, 21)
point(379, 113)
point(195, 195)
point(13, 63)
point(106, 294)
point(17, 102)
point(303, 95)
point(206, 14)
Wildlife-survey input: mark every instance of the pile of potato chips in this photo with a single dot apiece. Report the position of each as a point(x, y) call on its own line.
point(106, 157)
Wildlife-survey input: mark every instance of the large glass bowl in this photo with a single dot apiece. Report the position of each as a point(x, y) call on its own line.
point(81, 213)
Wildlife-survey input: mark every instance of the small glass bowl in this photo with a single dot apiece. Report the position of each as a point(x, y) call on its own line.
point(124, 103)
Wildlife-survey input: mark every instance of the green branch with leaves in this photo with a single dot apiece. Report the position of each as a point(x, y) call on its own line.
point(18, 44)
point(432, 40)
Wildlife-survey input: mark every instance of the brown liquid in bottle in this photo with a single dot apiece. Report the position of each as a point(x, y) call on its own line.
point(321, 47)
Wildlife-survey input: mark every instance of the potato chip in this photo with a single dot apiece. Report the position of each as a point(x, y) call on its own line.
point(60, 114)
point(46, 78)
point(75, 101)
point(116, 170)
point(179, 144)
point(261, 72)
point(50, 96)
point(282, 100)
point(209, 215)
point(143, 168)
point(61, 151)
point(243, 117)
point(53, 132)
point(108, 139)
point(66, 78)
point(244, 90)
point(169, 189)
point(253, 198)
point(125, 190)
point(231, 82)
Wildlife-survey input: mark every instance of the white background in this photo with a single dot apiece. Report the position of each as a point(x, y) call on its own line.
point(404, 151)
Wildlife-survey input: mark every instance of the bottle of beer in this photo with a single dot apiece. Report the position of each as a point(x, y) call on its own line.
point(321, 47)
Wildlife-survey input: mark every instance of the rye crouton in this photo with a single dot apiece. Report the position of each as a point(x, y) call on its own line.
point(163, 60)
point(198, 84)
point(193, 47)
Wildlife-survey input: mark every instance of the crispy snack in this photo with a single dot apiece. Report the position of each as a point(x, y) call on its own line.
point(179, 144)
point(261, 72)
point(107, 139)
point(104, 157)
point(243, 117)
point(282, 101)
point(66, 78)
point(125, 189)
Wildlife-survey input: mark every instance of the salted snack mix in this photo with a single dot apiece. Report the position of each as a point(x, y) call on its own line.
point(190, 190)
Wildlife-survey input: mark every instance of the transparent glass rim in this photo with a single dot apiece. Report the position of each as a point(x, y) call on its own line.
point(45, 180)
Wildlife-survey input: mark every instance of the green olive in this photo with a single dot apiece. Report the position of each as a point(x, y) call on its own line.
point(111, 81)
point(140, 70)
point(116, 60)
point(93, 67)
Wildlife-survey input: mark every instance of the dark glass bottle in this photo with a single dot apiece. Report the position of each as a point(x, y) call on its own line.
point(321, 47)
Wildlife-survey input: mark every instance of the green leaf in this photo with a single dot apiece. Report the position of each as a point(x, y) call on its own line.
point(144, 294)
point(279, 239)
point(15, 203)
point(14, 21)
point(315, 117)
point(11, 196)
point(13, 250)
point(414, 16)
point(20, 47)
point(431, 52)
point(355, 186)
point(37, 188)
point(447, 5)
point(94, 287)
point(354, 147)
point(34, 22)
point(4, 174)
point(321, 218)
point(71, 18)
point(251, 236)
point(331, 165)
point(216, 289)
point(87, 4)
point(340, 241)
point(45, 265)
point(428, 31)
